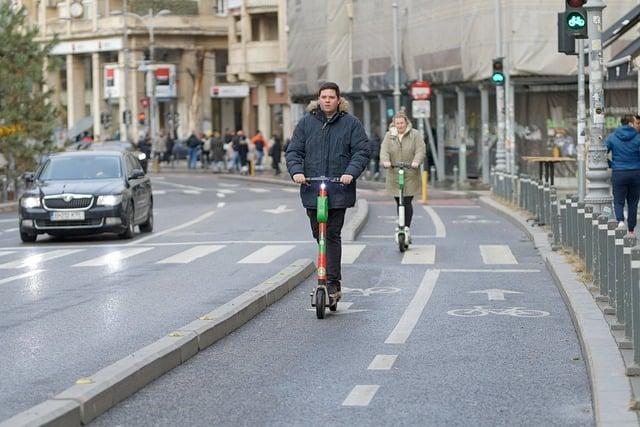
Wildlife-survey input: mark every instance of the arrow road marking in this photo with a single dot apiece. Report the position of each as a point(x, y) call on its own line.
point(495, 294)
point(279, 210)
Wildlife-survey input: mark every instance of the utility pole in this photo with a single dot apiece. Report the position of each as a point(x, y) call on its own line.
point(125, 86)
point(396, 60)
point(500, 149)
point(599, 186)
point(153, 106)
point(581, 122)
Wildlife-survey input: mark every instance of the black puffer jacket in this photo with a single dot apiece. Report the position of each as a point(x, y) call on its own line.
point(328, 147)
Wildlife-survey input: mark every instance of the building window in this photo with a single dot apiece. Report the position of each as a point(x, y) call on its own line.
point(221, 7)
point(264, 27)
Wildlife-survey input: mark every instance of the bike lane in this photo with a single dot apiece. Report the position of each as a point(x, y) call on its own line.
point(396, 352)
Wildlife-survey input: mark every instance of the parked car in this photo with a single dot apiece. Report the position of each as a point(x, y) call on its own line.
point(86, 192)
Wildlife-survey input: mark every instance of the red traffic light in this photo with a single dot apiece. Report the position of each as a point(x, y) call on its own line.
point(576, 3)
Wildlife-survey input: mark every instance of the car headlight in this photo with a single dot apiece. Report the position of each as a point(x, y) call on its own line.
point(142, 156)
point(30, 202)
point(109, 200)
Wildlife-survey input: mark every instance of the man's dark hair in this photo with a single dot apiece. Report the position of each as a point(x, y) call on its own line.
point(329, 85)
point(628, 119)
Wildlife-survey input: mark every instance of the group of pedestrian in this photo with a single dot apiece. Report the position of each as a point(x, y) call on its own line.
point(624, 146)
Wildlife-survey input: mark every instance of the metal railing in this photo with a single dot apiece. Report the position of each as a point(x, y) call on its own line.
point(610, 256)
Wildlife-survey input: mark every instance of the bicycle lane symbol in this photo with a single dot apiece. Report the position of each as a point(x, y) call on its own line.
point(370, 291)
point(479, 310)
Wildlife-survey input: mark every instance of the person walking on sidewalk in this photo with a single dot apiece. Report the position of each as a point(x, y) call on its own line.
point(624, 145)
point(259, 143)
point(275, 152)
point(403, 144)
point(328, 141)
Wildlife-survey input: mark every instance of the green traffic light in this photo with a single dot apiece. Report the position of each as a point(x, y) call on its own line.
point(497, 78)
point(576, 21)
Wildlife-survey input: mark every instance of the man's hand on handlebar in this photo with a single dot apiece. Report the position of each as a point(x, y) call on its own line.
point(386, 165)
point(346, 179)
point(415, 164)
point(299, 178)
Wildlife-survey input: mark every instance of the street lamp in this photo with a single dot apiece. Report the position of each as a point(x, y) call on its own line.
point(151, 75)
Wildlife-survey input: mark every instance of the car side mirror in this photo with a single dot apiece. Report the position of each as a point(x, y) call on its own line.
point(136, 174)
point(29, 177)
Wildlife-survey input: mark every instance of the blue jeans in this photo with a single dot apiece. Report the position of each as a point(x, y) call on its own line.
point(626, 187)
point(193, 157)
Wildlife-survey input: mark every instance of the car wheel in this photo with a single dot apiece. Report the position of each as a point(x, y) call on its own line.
point(147, 226)
point(28, 238)
point(129, 224)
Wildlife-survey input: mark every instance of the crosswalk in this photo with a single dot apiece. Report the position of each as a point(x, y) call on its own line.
point(243, 253)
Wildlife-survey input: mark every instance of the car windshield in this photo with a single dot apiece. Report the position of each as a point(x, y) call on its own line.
point(81, 168)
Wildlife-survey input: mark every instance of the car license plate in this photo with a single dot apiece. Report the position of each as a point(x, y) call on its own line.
point(67, 216)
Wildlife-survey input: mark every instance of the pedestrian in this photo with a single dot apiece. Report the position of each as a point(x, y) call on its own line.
point(169, 148)
point(194, 144)
point(374, 142)
point(403, 144)
point(206, 149)
point(275, 152)
point(624, 145)
point(235, 144)
point(217, 152)
point(242, 151)
point(328, 141)
point(162, 145)
point(259, 143)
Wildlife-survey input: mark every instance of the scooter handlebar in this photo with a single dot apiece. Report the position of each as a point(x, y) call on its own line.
point(322, 179)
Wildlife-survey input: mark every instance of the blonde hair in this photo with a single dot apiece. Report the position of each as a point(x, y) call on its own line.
point(401, 115)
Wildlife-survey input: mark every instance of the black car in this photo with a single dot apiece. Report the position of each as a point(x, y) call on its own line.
point(141, 151)
point(87, 192)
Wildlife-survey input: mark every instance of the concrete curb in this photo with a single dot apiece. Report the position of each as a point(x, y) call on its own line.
point(356, 222)
point(9, 207)
point(610, 387)
point(90, 397)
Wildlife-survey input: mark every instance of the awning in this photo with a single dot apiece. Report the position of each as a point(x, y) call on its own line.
point(621, 26)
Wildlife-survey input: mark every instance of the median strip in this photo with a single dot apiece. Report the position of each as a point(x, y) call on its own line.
point(92, 396)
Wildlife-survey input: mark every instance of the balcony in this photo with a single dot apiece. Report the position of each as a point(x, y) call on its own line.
point(261, 57)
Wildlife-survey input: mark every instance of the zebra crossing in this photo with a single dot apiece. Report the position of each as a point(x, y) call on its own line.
point(490, 255)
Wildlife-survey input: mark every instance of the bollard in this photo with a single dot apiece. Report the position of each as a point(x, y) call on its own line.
point(555, 221)
point(572, 214)
point(522, 191)
point(629, 243)
point(432, 175)
point(602, 258)
point(546, 202)
point(455, 180)
point(588, 239)
point(580, 229)
point(610, 247)
point(634, 369)
point(563, 221)
point(619, 275)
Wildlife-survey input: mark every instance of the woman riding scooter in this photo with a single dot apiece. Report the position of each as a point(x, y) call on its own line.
point(403, 144)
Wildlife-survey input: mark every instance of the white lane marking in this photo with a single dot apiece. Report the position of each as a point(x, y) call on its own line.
point(383, 362)
point(34, 260)
point(221, 195)
point(456, 206)
point(11, 230)
point(221, 204)
point(266, 254)
point(112, 257)
point(441, 231)
point(9, 220)
point(361, 395)
point(4, 253)
point(487, 270)
point(291, 190)
point(223, 191)
point(395, 216)
point(350, 253)
point(20, 276)
point(191, 254)
point(413, 312)
point(495, 294)
point(224, 184)
point(420, 254)
point(343, 307)
point(196, 192)
point(258, 190)
point(182, 186)
point(158, 192)
point(279, 210)
point(191, 243)
point(171, 230)
point(497, 254)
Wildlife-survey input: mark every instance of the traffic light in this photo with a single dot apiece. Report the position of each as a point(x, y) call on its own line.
point(141, 118)
point(575, 18)
point(497, 75)
point(566, 42)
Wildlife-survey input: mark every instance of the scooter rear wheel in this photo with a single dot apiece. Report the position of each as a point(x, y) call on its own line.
point(401, 242)
point(320, 300)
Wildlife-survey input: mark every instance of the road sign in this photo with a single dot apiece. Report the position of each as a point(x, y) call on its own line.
point(421, 90)
point(420, 109)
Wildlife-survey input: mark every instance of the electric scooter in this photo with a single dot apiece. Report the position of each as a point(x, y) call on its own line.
point(402, 235)
point(320, 298)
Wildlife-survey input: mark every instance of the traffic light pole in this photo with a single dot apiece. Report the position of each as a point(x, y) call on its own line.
point(500, 151)
point(581, 122)
point(396, 61)
point(599, 187)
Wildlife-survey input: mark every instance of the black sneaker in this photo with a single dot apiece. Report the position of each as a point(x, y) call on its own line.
point(334, 289)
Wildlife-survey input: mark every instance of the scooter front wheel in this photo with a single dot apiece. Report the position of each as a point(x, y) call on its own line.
point(402, 242)
point(320, 303)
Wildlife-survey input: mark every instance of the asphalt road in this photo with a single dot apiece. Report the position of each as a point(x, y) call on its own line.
point(465, 328)
point(72, 307)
